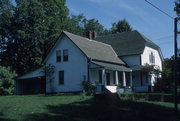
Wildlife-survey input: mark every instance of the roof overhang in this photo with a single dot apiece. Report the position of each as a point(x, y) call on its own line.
point(33, 74)
point(137, 68)
point(114, 67)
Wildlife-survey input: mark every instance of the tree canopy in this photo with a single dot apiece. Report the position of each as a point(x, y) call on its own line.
point(121, 26)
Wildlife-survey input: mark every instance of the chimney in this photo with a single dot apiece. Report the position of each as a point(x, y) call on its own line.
point(93, 35)
point(89, 34)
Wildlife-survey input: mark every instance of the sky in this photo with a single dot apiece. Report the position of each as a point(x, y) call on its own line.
point(152, 23)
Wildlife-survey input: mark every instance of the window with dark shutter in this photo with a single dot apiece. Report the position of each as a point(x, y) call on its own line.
point(61, 77)
point(65, 55)
point(58, 55)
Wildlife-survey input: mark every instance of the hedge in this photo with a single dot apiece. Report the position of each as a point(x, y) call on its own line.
point(163, 97)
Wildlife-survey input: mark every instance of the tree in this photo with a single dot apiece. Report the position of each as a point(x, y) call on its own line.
point(35, 26)
point(121, 26)
point(80, 25)
point(6, 80)
point(6, 12)
point(75, 24)
point(93, 25)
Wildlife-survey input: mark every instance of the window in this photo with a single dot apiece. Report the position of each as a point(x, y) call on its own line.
point(152, 58)
point(100, 76)
point(61, 77)
point(65, 55)
point(58, 55)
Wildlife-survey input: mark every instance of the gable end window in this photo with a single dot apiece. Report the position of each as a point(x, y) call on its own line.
point(65, 55)
point(152, 58)
point(61, 77)
point(58, 55)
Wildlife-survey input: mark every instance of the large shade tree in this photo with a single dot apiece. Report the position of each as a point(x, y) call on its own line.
point(121, 26)
point(34, 27)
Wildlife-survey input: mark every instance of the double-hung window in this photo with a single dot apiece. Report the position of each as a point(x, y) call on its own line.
point(65, 55)
point(58, 55)
point(152, 58)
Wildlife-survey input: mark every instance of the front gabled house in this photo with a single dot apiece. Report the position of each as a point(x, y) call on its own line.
point(106, 61)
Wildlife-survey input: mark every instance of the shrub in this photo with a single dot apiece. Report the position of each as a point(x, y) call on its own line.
point(88, 87)
point(163, 97)
point(6, 80)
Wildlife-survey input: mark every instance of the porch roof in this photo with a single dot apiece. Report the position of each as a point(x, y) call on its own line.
point(112, 66)
point(137, 68)
point(33, 74)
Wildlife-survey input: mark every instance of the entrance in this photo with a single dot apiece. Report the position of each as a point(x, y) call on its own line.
point(107, 78)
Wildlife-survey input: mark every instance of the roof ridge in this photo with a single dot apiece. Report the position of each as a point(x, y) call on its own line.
point(87, 38)
point(116, 33)
point(99, 42)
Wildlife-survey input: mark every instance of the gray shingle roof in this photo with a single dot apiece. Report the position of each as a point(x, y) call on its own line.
point(127, 43)
point(112, 66)
point(137, 68)
point(95, 50)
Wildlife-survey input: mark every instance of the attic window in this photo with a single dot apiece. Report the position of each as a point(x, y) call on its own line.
point(152, 58)
point(58, 55)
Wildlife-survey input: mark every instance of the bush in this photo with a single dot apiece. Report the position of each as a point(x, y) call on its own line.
point(6, 81)
point(163, 97)
point(88, 87)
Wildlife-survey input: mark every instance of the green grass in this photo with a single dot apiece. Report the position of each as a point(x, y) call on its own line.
point(80, 108)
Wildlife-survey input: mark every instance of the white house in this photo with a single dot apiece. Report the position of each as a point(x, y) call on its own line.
point(136, 50)
point(105, 61)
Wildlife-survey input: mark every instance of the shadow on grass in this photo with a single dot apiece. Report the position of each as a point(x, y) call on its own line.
point(105, 110)
point(4, 119)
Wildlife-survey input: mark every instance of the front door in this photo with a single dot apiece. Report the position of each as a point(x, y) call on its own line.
point(107, 78)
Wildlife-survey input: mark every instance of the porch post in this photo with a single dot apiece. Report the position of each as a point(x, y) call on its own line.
point(103, 77)
point(131, 83)
point(116, 77)
point(124, 79)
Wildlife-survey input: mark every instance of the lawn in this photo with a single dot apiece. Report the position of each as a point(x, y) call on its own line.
point(82, 108)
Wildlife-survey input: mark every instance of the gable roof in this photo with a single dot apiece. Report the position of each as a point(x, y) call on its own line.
point(93, 49)
point(127, 43)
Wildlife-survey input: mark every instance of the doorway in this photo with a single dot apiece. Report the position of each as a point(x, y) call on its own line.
point(107, 78)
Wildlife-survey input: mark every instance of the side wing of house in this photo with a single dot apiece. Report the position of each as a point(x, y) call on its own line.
point(70, 67)
point(152, 57)
point(132, 60)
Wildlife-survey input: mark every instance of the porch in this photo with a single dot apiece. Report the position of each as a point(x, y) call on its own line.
point(143, 81)
point(108, 78)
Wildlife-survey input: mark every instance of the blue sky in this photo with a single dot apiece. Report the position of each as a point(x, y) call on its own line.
point(147, 20)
